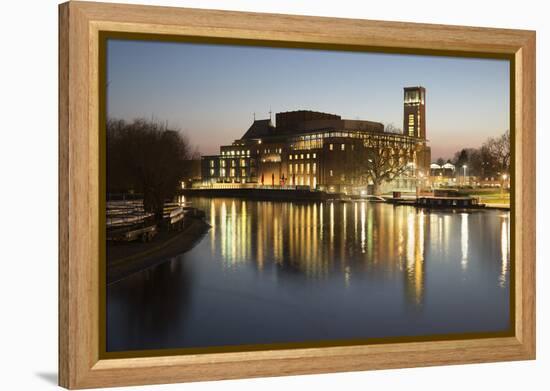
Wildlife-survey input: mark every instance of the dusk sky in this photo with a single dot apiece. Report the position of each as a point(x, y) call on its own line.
point(210, 92)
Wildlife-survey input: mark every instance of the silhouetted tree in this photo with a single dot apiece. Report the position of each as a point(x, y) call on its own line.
point(391, 128)
point(492, 158)
point(146, 157)
point(498, 150)
point(377, 163)
point(467, 157)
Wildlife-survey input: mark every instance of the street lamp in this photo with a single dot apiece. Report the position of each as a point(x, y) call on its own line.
point(504, 177)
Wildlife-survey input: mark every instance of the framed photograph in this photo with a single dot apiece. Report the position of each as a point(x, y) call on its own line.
point(247, 195)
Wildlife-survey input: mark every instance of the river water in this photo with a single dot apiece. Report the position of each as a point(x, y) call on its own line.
point(280, 272)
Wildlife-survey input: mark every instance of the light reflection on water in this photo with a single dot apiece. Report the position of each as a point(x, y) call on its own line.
point(298, 229)
point(271, 272)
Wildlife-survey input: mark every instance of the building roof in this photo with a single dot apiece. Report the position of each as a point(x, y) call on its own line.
point(449, 166)
point(260, 128)
point(305, 121)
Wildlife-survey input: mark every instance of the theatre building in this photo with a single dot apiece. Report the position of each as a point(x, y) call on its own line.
point(321, 151)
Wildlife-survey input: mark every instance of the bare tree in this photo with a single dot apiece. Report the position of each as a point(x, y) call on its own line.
point(498, 149)
point(491, 158)
point(384, 165)
point(391, 128)
point(148, 158)
point(377, 163)
point(469, 157)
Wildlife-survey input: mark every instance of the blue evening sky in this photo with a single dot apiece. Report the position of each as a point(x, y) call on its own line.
point(210, 92)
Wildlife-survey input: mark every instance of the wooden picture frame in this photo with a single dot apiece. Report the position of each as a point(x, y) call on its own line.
point(80, 26)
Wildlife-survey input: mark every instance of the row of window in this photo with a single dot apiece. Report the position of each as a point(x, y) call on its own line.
point(223, 163)
point(342, 147)
point(295, 169)
point(301, 156)
point(365, 135)
point(238, 153)
point(276, 150)
point(232, 172)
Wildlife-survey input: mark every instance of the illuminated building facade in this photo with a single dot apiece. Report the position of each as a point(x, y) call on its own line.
point(318, 150)
point(414, 112)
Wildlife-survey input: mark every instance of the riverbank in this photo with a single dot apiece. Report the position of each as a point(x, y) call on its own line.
point(124, 259)
point(263, 194)
point(289, 195)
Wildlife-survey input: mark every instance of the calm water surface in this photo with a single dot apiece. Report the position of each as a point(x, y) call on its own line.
point(270, 272)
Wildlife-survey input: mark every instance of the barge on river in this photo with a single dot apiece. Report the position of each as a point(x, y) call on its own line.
point(127, 222)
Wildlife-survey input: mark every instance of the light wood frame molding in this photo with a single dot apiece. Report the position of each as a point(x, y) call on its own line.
point(80, 23)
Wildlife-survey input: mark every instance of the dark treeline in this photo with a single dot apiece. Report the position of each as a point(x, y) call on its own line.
point(145, 157)
point(490, 160)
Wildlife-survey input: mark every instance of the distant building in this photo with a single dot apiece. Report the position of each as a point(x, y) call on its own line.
point(442, 175)
point(414, 112)
point(318, 150)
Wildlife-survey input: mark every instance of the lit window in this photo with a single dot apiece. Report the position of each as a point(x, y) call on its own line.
point(290, 168)
point(330, 172)
point(296, 167)
point(243, 172)
point(248, 152)
point(290, 157)
point(243, 162)
point(307, 155)
point(212, 172)
point(301, 168)
point(233, 153)
point(331, 147)
point(411, 124)
point(314, 168)
point(223, 163)
point(296, 157)
point(343, 177)
point(233, 163)
point(238, 152)
point(314, 155)
point(343, 147)
point(307, 168)
point(222, 172)
point(211, 163)
point(301, 156)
